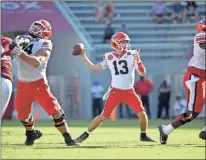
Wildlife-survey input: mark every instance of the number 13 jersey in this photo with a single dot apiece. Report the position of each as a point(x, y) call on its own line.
point(25, 71)
point(122, 67)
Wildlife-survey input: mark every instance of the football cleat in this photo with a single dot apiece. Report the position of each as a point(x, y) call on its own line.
point(31, 137)
point(146, 138)
point(71, 142)
point(202, 135)
point(163, 136)
point(82, 137)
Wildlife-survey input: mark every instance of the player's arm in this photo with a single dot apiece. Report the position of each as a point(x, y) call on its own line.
point(138, 63)
point(92, 67)
point(38, 59)
point(5, 41)
point(141, 68)
point(34, 60)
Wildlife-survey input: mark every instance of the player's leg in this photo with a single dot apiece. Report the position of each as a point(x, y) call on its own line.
point(45, 98)
point(135, 103)
point(195, 96)
point(147, 106)
point(23, 106)
point(6, 90)
point(110, 104)
point(202, 134)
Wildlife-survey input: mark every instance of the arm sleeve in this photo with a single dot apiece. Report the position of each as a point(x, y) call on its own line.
point(200, 37)
point(140, 67)
point(47, 44)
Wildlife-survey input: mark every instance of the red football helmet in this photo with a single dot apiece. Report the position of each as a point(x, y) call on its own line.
point(201, 26)
point(116, 41)
point(41, 28)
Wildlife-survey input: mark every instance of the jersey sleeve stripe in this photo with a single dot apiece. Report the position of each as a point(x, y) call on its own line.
point(200, 39)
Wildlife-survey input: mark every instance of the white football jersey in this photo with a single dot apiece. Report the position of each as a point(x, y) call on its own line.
point(198, 59)
point(25, 71)
point(122, 68)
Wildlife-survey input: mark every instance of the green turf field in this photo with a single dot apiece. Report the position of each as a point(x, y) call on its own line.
point(113, 140)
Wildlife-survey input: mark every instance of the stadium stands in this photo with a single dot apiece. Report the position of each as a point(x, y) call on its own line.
point(154, 39)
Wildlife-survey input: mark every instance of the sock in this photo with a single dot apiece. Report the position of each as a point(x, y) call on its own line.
point(67, 135)
point(29, 132)
point(204, 129)
point(143, 133)
point(88, 131)
point(168, 129)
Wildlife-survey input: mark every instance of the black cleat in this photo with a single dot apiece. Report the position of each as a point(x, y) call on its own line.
point(31, 137)
point(71, 142)
point(146, 138)
point(82, 137)
point(68, 140)
point(202, 135)
point(163, 136)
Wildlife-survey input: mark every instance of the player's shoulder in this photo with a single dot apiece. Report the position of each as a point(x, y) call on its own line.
point(43, 43)
point(200, 37)
point(200, 34)
point(107, 55)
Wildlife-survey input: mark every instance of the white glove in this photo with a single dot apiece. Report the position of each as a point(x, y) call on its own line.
point(23, 40)
point(19, 39)
point(17, 50)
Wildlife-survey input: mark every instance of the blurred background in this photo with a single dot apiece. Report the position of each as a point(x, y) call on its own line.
point(164, 32)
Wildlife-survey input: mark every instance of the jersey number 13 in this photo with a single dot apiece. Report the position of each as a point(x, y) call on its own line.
point(124, 68)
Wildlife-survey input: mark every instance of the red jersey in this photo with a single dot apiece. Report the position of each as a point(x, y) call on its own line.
point(6, 64)
point(143, 87)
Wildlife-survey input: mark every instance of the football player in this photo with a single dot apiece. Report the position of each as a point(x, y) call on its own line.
point(195, 86)
point(122, 62)
point(6, 74)
point(32, 59)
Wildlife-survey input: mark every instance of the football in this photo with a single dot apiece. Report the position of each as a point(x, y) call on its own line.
point(78, 49)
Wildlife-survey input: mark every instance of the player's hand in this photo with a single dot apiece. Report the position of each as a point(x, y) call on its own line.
point(19, 40)
point(83, 53)
point(22, 40)
point(137, 56)
point(16, 51)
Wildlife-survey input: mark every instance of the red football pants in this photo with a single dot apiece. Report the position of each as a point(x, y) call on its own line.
point(195, 95)
point(37, 91)
point(118, 96)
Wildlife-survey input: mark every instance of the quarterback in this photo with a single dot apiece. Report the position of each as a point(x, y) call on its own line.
point(122, 62)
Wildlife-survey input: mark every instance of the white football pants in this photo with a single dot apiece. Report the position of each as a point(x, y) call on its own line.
point(5, 92)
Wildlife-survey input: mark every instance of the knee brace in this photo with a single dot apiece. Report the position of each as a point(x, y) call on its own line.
point(63, 115)
point(59, 122)
point(187, 117)
point(28, 122)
